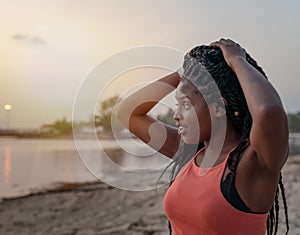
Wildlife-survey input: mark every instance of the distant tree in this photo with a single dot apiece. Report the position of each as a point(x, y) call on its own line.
point(167, 118)
point(106, 115)
point(294, 122)
point(63, 126)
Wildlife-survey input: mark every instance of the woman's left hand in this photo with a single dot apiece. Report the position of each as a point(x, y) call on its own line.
point(231, 51)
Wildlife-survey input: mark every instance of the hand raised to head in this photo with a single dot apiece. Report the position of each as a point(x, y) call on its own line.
point(231, 50)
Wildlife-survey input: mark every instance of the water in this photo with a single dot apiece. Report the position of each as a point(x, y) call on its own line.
point(28, 165)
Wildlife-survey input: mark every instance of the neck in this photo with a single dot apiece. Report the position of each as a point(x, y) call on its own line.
point(231, 139)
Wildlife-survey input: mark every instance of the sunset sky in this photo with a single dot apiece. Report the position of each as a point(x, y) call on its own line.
point(48, 48)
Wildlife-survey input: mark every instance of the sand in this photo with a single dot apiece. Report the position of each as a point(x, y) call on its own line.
point(96, 208)
point(90, 209)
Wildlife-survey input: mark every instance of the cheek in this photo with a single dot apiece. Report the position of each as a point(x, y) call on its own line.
point(199, 125)
point(198, 121)
point(192, 117)
point(204, 121)
point(197, 116)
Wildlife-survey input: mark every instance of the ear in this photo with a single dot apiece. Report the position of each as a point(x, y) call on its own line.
point(224, 101)
point(219, 110)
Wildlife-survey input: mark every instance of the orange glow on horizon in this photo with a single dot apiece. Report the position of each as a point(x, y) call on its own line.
point(7, 166)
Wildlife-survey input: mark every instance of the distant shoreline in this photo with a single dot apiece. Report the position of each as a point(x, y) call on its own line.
point(57, 136)
point(294, 140)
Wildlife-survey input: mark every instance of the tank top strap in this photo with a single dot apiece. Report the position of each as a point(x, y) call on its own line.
point(189, 162)
point(221, 166)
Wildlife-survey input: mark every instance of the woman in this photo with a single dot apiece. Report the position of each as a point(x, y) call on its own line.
point(238, 194)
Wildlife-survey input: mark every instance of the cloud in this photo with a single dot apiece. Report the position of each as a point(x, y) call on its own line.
point(19, 37)
point(38, 40)
point(29, 39)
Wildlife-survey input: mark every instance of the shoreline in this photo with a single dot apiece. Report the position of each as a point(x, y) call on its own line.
point(61, 186)
point(58, 187)
point(95, 208)
point(87, 210)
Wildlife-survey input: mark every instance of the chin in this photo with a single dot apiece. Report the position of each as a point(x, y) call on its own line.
point(190, 140)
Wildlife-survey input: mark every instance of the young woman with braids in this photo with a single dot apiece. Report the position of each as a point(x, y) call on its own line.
point(239, 193)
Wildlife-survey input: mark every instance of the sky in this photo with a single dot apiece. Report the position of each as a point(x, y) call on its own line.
point(49, 48)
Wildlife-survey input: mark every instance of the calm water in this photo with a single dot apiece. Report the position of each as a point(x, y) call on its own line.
point(28, 165)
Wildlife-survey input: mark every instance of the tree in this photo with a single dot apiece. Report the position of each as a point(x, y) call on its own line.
point(63, 126)
point(167, 118)
point(106, 113)
point(294, 122)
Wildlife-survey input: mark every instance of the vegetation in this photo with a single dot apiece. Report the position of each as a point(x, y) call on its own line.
point(294, 122)
point(105, 116)
point(167, 118)
point(63, 126)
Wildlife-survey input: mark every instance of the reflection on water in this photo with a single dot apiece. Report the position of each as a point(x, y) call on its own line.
point(7, 165)
point(30, 164)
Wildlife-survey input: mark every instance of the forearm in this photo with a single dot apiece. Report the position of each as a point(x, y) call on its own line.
point(142, 101)
point(260, 95)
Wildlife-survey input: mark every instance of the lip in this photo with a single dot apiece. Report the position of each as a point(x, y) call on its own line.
point(182, 130)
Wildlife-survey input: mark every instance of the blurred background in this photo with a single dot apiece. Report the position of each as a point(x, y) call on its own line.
point(48, 48)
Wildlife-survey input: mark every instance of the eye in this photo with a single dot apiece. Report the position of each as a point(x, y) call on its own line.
point(186, 105)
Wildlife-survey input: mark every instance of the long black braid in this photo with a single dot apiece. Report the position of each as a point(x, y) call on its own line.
point(212, 60)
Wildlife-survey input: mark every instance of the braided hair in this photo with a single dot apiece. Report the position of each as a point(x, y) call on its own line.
point(211, 59)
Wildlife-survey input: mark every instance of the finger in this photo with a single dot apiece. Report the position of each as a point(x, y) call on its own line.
point(226, 41)
point(214, 44)
point(229, 40)
point(219, 43)
point(233, 42)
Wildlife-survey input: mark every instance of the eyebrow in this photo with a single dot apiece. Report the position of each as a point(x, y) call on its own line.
point(181, 97)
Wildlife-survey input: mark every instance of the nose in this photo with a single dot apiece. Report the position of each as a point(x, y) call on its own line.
point(177, 117)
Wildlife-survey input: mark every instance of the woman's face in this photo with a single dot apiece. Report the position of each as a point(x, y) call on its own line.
point(192, 115)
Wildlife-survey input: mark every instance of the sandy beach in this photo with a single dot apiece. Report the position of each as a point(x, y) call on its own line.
point(96, 208)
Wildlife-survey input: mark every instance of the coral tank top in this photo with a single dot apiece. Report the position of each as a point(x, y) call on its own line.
point(195, 205)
